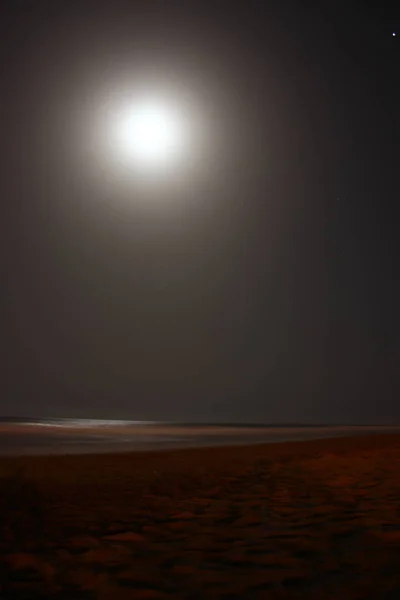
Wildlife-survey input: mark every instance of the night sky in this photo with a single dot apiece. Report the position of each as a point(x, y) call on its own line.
point(262, 286)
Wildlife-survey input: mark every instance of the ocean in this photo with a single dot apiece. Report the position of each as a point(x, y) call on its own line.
point(20, 436)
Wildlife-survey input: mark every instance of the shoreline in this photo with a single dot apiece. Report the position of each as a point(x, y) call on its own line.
point(335, 442)
point(39, 439)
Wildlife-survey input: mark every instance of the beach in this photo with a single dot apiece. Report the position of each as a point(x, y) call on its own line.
point(303, 519)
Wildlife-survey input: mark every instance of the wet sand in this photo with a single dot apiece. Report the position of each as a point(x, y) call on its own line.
point(312, 519)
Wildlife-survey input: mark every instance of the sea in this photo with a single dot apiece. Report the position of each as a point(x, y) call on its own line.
point(23, 436)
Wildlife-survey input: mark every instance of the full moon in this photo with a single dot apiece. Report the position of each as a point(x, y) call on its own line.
point(149, 133)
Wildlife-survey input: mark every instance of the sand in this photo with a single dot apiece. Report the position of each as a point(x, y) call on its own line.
point(315, 519)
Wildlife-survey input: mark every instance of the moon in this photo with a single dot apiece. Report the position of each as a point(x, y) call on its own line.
point(150, 134)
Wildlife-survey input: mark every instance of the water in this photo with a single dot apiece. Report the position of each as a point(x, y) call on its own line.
point(60, 436)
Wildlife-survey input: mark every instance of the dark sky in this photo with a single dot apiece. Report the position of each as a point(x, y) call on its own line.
point(268, 291)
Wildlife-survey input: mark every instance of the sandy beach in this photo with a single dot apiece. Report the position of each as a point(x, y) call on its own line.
point(313, 519)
